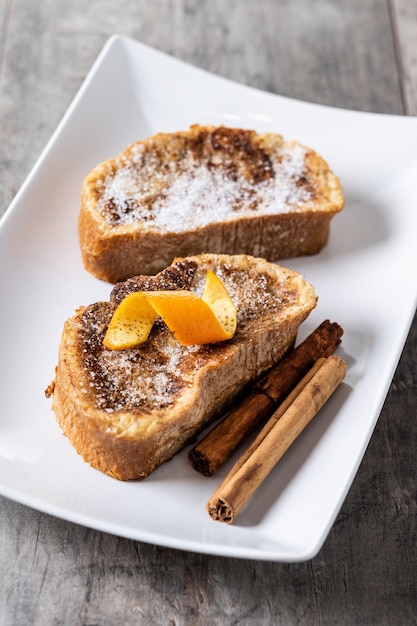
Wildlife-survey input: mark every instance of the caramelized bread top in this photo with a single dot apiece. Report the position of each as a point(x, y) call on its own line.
point(181, 181)
point(153, 376)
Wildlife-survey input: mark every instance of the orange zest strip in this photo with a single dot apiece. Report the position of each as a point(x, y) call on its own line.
point(192, 320)
point(131, 323)
point(215, 295)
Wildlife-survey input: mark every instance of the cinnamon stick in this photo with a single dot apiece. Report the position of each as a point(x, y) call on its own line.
point(275, 439)
point(211, 452)
point(276, 416)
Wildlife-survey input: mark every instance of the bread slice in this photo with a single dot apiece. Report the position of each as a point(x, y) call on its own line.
point(208, 189)
point(128, 411)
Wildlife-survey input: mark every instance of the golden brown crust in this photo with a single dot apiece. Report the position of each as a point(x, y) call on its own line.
point(128, 411)
point(197, 171)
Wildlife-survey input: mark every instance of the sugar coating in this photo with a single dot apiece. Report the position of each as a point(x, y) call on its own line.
point(188, 194)
point(154, 375)
point(156, 379)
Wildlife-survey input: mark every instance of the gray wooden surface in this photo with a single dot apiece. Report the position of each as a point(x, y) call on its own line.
point(360, 54)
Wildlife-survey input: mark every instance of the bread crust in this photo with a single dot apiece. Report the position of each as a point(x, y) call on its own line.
point(239, 167)
point(109, 404)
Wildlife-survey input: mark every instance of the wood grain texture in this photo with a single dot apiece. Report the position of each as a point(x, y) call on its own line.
point(348, 53)
point(404, 23)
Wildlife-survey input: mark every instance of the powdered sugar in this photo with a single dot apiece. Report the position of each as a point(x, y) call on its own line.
point(152, 382)
point(191, 194)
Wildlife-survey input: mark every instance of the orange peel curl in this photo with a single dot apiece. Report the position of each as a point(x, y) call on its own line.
point(192, 320)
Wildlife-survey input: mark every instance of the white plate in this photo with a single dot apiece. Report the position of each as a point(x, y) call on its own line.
point(365, 279)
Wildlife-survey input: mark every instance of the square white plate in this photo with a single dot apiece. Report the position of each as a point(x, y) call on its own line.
point(365, 279)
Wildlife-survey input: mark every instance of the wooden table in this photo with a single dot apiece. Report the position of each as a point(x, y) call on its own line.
point(359, 54)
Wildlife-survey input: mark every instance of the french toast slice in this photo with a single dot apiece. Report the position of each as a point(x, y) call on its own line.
point(127, 411)
point(207, 189)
